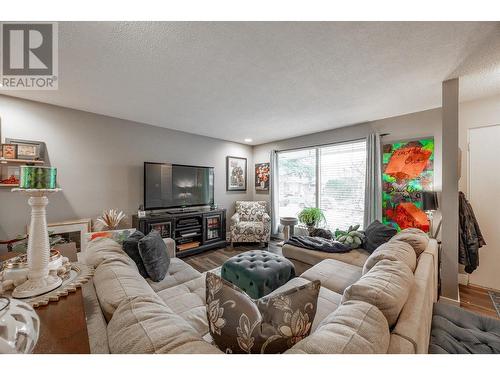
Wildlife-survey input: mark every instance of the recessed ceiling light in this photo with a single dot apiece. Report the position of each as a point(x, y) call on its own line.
point(248, 140)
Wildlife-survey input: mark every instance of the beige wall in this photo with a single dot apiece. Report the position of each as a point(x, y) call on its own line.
point(100, 160)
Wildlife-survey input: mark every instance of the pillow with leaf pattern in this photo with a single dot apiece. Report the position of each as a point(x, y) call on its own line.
point(269, 325)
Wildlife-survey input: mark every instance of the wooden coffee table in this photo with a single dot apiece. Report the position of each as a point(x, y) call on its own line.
point(63, 326)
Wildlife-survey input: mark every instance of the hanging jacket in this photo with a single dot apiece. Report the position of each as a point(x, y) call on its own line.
point(470, 236)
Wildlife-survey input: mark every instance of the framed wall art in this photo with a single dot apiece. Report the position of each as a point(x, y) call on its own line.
point(236, 173)
point(9, 151)
point(408, 170)
point(28, 150)
point(262, 176)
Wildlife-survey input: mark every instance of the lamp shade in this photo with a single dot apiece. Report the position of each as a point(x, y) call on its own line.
point(429, 201)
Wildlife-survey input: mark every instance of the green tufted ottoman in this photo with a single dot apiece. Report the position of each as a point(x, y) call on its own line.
point(258, 272)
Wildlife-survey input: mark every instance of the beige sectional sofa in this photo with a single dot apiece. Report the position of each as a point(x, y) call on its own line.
point(128, 314)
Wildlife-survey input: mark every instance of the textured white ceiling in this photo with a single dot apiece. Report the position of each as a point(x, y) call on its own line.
point(268, 80)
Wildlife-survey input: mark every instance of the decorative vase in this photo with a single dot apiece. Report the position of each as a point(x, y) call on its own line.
point(35, 177)
point(310, 228)
point(19, 327)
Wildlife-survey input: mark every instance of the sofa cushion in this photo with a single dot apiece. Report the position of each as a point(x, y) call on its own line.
point(355, 257)
point(272, 324)
point(328, 301)
point(145, 325)
point(188, 301)
point(102, 250)
point(333, 274)
point(116, 281)
point(385, 286)
point(377, 234)
point(417, 238)
point(154, 255)
point(251, 211)
point(131, 247)
point(392, 250)
point(178, 273)
point(356, 327)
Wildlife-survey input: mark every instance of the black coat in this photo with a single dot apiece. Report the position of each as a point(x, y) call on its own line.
point(470, 236)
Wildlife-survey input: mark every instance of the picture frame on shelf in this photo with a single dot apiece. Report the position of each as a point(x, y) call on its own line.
point(9, 151)
point(72, 231)
point(28, 150)
point(236, 173)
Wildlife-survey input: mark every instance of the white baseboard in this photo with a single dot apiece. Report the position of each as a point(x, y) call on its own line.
point(450, 301)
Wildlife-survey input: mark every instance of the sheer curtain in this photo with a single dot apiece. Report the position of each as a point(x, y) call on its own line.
point(373, 184)
point(274, 183)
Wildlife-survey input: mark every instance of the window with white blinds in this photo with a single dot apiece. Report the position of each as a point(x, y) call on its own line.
point(330, 177)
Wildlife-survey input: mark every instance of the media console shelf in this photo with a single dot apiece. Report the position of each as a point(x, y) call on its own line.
point(192, 231)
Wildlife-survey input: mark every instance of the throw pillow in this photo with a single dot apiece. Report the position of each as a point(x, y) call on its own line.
point(386, 286)
point(392, 250)
point(377, 234)
point(239, 324)
point(417, 238)
point(131, 247)
point(320, 232)
point(154, 255)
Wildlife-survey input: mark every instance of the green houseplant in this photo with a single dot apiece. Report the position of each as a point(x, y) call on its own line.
point(311, 217)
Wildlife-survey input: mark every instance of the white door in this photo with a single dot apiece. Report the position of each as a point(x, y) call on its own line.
point(484, 196)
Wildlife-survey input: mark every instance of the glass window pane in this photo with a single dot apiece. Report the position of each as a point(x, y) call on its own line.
point(297, 181)
point(342, 193)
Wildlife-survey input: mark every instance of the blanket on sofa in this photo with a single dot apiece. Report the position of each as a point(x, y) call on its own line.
point(318, 243)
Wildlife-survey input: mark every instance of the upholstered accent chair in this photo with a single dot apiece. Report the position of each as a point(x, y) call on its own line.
point(251, 222)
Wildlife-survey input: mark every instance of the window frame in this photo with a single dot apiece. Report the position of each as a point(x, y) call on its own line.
point(317, 149)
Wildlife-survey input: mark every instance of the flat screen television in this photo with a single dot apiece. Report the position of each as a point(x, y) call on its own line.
point(175, 186)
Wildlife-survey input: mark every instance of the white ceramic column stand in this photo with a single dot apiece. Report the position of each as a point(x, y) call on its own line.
point(39, 281)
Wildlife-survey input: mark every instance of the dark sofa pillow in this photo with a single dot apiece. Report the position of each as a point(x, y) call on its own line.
point(131, 247)
point(154, 255)
point(376, 235)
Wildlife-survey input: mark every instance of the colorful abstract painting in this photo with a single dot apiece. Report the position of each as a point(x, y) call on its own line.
point(408, 170)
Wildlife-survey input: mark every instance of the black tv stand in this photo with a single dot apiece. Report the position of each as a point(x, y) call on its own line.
point(193, 230)
point(182, 211)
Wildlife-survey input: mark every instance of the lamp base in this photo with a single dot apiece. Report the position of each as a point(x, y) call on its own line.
point(35, 287)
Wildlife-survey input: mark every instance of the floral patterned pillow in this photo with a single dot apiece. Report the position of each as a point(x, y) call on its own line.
point(273, 324)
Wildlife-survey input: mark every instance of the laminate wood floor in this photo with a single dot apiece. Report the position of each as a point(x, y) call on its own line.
point(477, 300)
point(215, 258)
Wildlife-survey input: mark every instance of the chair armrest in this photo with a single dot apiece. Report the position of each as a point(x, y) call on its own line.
point(235, 219)
point(170, 247)
point(266, 218)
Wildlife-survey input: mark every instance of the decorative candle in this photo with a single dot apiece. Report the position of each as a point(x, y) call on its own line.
point(33, 177)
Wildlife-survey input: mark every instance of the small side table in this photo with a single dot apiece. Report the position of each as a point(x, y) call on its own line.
point(63, 325)
point(289, 224)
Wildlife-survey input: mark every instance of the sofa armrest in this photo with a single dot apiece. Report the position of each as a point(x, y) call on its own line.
point(235, 219)
point(170, 247)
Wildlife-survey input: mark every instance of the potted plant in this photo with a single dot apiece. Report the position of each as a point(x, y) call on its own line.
point(311, 217)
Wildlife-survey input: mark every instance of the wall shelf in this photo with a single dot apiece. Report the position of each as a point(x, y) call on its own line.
point(9, 185)
point(20, 161)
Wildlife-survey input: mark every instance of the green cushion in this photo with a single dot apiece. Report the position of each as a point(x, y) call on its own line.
point(258, 272)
